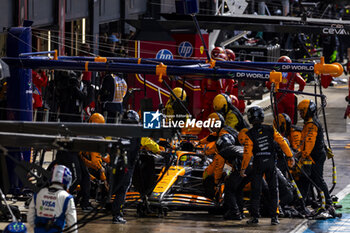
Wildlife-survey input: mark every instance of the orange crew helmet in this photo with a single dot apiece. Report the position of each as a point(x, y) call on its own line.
point(285, 59)
point(97, 118)
point(221, 103)
point(307, 108)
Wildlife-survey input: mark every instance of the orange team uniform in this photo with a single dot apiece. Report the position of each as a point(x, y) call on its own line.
point(94, 160)
point(216, 167)
point(248, 148)
point(294, 138)
point(313, 148)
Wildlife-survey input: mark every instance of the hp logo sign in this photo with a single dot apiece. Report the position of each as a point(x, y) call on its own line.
point(164, 54)
point(185, 49)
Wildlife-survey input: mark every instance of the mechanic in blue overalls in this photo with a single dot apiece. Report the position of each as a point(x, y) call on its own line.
point(52, 208)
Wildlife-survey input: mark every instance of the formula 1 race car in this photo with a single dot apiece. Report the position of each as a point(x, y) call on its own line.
point(178, 186)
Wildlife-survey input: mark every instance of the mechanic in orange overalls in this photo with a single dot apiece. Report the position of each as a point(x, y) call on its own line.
point(286, 101)
point(293, 134)
point(227, 151)
point(313, 147)
point(289, 131)
point(216, 167)
point(260, 143)
point(93, 160)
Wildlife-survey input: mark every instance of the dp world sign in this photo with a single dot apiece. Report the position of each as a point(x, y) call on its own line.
point(185, 49)
point(164, 54)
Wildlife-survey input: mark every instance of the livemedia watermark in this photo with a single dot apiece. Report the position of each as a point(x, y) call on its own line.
point(155, 120)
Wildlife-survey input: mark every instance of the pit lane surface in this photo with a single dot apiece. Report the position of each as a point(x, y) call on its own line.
point(181, 222)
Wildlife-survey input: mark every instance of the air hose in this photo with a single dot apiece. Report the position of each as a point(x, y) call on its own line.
point(323, 198)
point(275, 114)
point(274, 105)
point(334, 169)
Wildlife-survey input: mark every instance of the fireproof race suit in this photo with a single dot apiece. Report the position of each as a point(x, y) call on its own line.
point(228, 151)
point(313, 148)
point(51, 209)
point(294, 138)
point(216, 167)
point(260, 143)
point(93, 160)
point(123, 171)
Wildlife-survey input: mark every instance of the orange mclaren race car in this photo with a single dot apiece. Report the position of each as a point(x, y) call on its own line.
point(176, 185)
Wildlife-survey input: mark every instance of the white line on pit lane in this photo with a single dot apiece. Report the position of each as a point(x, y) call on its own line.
point(303, 225)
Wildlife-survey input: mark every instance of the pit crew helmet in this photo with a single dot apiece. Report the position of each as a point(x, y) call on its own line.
point(230, 54)
point(284, 122)
point(221, 57)
point(180, 93)
point(216, 51)
point(284, 59)
point(97, 118)
point(307, 108)
point(255, 115)
point(130, 117)
point(221, 102)
point(61, 174)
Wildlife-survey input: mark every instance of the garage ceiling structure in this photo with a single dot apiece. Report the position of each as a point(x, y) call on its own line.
point(252, 23)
